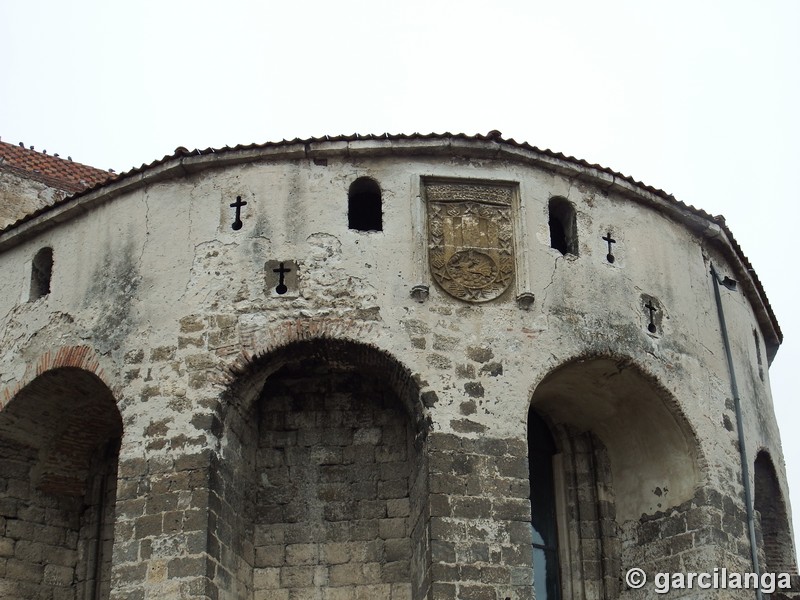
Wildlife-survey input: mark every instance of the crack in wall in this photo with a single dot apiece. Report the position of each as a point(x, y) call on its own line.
point(146, 230)
point(552, 279)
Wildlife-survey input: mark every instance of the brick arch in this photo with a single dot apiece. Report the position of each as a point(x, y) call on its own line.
point(331, 340)
point(65, 413)
point(79, 357)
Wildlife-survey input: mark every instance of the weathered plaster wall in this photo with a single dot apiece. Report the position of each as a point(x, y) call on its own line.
point(170, 299)
point(20, 196)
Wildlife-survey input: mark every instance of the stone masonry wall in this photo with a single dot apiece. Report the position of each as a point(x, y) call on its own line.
point(594, 569)
point(232, 493)
point(480, 523)
point(23, 195)
point(699, 535)
point(333, 509)
point(39, 546)
point(162, 521)
point(55, 546)
point(58, 482)
point(776, 540)
point(361, 433)
point(97, 521)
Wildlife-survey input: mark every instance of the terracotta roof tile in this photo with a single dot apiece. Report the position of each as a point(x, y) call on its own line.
point(52, 170)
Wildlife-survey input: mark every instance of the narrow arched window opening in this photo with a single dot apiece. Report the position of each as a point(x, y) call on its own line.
point(758, 355)
point(563, 228)
point(546, 570)
point(364, 209)
point(41, 273)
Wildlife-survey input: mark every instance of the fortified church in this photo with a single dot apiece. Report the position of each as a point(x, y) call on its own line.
point(400, 367)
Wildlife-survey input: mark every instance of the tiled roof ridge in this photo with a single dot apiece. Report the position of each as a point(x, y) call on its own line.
point(51, 169)
point(493, 136)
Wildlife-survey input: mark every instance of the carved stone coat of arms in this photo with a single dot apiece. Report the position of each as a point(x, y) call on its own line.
point(470, 238)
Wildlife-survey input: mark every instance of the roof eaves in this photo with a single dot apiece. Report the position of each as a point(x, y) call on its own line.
point(48, 180)
point(183, 160)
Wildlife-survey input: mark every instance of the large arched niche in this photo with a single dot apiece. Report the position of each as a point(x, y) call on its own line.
point(776, 537)
point(321, 477)
point(653, 453)
point(59, 450)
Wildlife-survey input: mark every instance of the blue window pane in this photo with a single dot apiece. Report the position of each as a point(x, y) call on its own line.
point(540, 575)
point(541, 449)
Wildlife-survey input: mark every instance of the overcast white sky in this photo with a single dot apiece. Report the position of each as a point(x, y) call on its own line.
point(697, 98)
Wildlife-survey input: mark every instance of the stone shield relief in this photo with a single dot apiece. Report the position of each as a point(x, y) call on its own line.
point(470, 238)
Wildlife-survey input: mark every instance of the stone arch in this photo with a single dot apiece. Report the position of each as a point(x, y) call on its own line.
point(79, 357)
point(626, 453)
point(321, 473)
point(776, 537)
point(59, 450)
point(625, 407)
point(321, 341)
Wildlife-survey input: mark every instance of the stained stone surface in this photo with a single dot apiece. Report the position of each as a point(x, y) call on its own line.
point(173, 428)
